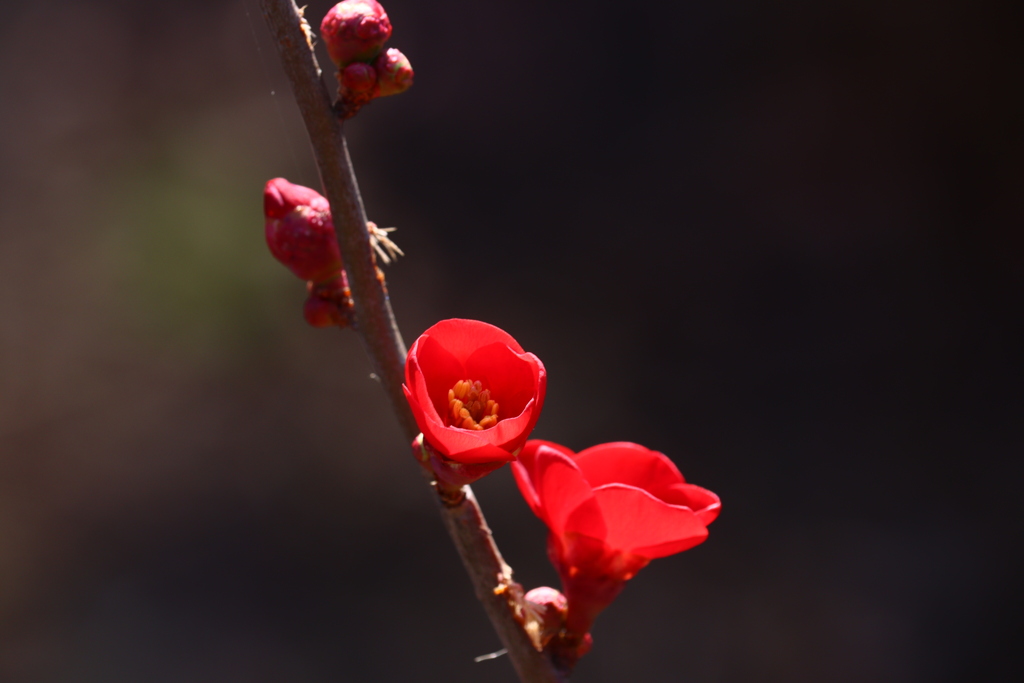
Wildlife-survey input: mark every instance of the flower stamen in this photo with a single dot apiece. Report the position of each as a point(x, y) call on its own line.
point(470, 406)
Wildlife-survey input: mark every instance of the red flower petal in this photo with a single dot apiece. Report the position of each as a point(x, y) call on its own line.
point(431, 370)
point(632, 464)
point(641, 524)
point(510, 433)
point(462, 337)
point(525, 484)
point(705, 504)
point(525, 470)
point(511, 376)
point(567, 500)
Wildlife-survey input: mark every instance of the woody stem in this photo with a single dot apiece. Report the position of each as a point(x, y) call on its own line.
point(377, 327)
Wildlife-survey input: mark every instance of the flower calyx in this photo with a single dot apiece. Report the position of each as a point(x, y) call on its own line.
point(449, 476)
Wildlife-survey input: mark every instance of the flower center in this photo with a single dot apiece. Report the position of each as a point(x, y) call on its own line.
point(470, 406)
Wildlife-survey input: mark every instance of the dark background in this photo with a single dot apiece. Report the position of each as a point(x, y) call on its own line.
point(780, 242)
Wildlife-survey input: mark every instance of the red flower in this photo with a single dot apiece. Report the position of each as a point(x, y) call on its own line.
point(610, 510)
point(475, 393)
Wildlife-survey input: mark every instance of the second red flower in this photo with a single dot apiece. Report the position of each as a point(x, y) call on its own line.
point(475, 393)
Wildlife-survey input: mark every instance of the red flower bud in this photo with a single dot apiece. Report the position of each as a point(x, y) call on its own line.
point(546, 607)
point(299, 230)
point(394, 72)
point(610, 510)
point(358, 78)
point(357, 85)
point(355, 31)
point(474, 392)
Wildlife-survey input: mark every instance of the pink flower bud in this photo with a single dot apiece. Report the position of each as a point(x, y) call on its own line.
point(545, 615)
point(299, 230)
point(548, 600)
point(394, 72)
point(355, 31)
point(358, 77)
point(280, 197)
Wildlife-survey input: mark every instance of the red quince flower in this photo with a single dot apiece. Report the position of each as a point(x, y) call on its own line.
point(610, 510)
point(474, 392)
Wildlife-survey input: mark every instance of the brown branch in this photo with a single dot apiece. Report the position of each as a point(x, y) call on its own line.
point(373, 308)
point(491, 577)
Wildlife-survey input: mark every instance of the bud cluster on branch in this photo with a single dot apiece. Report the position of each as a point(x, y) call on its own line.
point(300, 234)
point(475, 395)
point(354, 32)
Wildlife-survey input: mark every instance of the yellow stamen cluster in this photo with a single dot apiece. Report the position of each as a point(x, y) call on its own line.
point(471, 407)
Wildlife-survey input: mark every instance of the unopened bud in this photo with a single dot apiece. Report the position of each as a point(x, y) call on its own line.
point(545, 615)
point(359, 78)
point(299, 230)
point(355, 31)
point(280, 197)
point(394, 72)
point(549, 601)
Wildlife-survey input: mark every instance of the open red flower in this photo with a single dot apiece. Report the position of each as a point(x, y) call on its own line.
point(475, 393)
point(610, 509)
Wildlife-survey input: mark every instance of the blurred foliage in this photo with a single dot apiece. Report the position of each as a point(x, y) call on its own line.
point(187, 229)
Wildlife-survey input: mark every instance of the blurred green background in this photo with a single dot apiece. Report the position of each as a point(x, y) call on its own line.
point(780, 242)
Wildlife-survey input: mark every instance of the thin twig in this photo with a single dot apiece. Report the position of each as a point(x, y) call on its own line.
point(491, 577)
point(373, 308)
